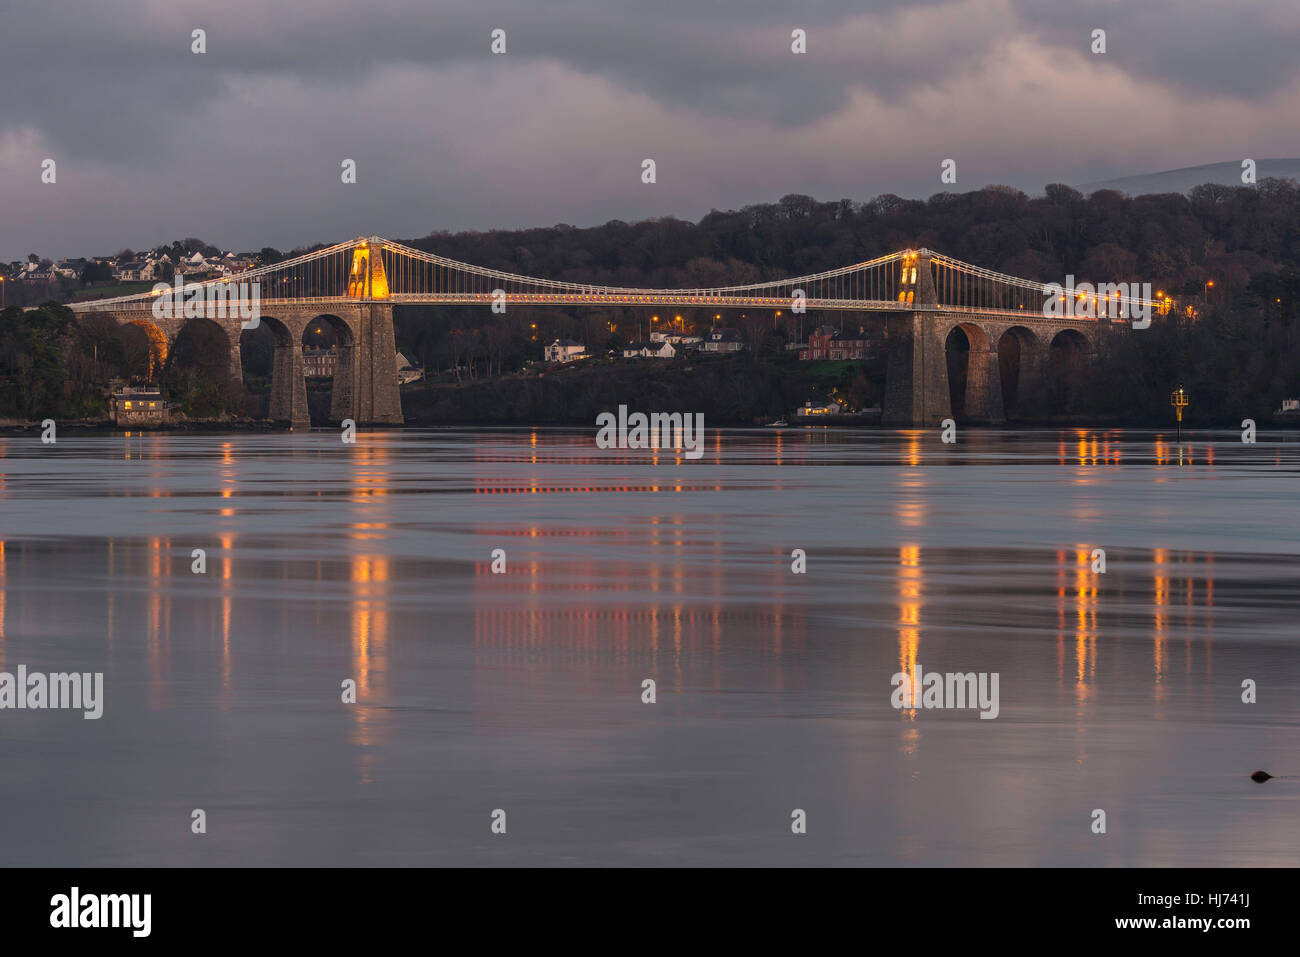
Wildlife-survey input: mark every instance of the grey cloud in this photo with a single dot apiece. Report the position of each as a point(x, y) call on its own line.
point(1240, 50)
point(242, 145)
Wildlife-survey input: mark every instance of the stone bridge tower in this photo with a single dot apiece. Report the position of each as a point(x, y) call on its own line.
point(365, 373)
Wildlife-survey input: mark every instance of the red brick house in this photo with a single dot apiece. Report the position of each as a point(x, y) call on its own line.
point(827, 342)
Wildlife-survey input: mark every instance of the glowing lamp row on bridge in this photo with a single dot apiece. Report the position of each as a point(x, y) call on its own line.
point(657, 297)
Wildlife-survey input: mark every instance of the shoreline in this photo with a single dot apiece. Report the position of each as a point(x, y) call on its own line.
point(844, 422)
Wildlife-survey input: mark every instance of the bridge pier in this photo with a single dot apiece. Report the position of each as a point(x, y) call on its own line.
point(289, 386)
point(916, 376)
point(983, 385)
point(378, 400)
point(236, 357)
point(343, 393)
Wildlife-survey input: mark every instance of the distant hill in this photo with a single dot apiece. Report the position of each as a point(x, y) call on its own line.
point(1183, 180)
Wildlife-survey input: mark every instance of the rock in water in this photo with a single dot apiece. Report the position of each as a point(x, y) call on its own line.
point(1260, 777)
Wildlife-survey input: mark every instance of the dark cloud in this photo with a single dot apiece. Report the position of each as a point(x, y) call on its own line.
point(1240, 50)
point(243, 144)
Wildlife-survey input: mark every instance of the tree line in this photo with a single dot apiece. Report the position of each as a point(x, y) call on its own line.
point(1234, 344)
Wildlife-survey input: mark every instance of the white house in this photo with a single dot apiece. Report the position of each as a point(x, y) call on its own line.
point(826, 408)
point(724, 340)
point(649, 350)
point(564, 350)
point(405, 371)
point(681, 340)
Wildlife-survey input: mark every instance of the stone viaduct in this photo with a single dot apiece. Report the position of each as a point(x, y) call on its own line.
point(917, 390)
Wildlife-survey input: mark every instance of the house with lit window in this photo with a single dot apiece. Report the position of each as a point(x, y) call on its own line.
point(137, 407)
point(564, 350)
point(823, 408)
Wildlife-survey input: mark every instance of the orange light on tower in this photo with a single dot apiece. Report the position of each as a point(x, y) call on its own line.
point(367, 279)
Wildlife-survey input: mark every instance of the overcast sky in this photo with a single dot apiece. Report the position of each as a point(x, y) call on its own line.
point(242, 145)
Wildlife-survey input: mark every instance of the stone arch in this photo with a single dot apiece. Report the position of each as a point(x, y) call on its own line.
point(182, 347)
point(1072, 339)
point(1020, 360)
point(257, 349)
point(288, 398)
point(335, 332)
point(1069, 354)
point(147, 356)
point(974, 384)
point(201, 366)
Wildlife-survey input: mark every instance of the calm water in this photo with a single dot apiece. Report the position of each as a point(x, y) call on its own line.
point(522, 691)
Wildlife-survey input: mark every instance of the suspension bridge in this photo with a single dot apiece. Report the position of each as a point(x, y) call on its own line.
point(354, 286)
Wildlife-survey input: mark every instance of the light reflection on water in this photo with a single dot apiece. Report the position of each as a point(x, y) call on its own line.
point(521, 691)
